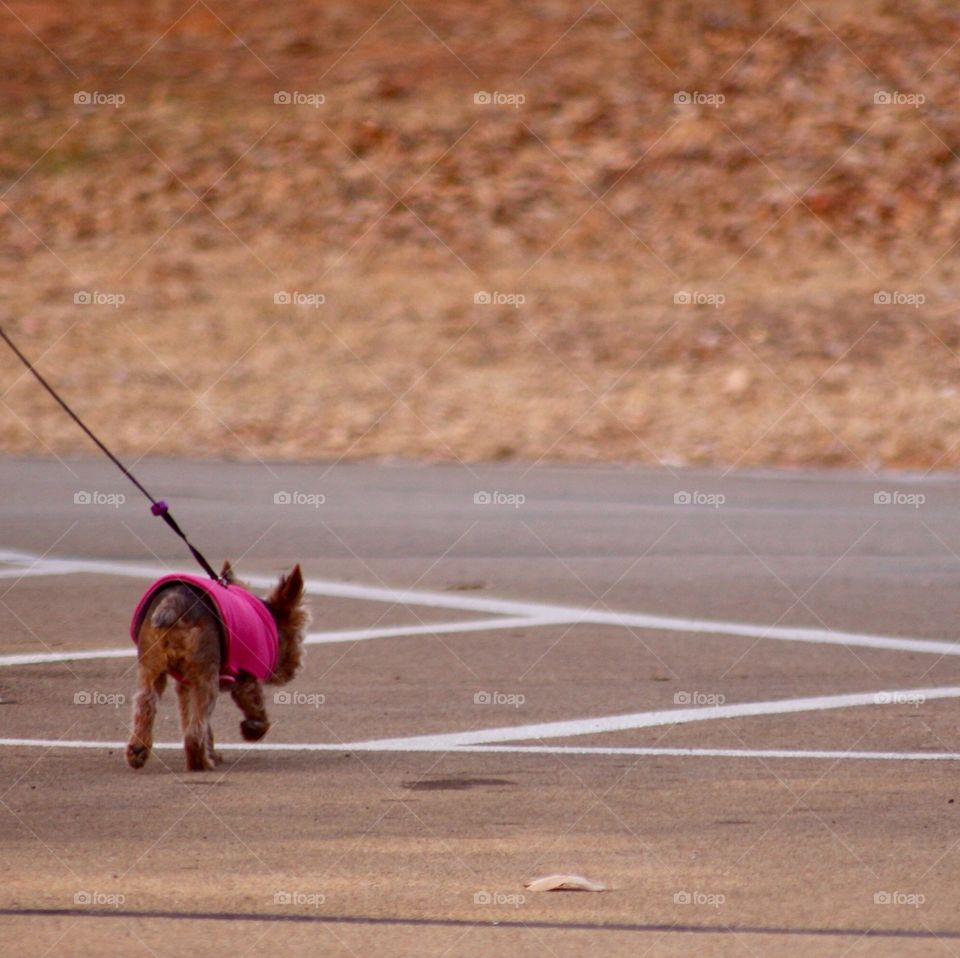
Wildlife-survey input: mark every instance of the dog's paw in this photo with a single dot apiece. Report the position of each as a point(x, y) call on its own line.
point(199, 757)
point(253, 730)
point(216, 758)
point(137, 755)
point(198, 761)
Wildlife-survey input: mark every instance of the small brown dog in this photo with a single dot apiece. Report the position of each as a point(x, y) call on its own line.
point(210, 636)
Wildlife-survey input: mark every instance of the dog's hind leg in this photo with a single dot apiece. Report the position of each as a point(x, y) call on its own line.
point(183, 694)
point(215, 756)
point(201, 699)
point(150, 688)
point(248, 694)
point(183, 700)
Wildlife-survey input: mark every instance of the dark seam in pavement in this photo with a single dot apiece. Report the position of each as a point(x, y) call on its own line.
point(468, 923)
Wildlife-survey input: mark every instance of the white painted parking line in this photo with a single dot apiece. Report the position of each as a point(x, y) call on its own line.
point(508, 614)
point(15, 555)
point(537, 610)
point(565, 750)
point(314, 638)
point(436, 628)
point(42, 658)
point(25, 572)
point(637, 720)
point(818, 754)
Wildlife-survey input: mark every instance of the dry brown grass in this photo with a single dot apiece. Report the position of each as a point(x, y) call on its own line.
point(400, 198)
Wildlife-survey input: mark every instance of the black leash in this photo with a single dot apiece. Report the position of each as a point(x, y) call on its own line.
point(157, 507)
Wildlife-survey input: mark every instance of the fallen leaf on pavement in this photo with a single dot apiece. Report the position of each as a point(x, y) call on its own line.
point(563, 883)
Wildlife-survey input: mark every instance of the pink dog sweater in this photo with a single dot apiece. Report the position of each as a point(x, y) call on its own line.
point(249, 631)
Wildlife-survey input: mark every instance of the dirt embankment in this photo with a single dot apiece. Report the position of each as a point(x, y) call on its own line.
point(485, 231)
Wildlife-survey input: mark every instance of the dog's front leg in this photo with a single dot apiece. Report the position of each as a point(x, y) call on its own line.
point(248, 694)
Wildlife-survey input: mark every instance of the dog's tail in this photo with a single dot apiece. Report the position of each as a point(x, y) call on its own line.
point(175, 605)
point(181, 627)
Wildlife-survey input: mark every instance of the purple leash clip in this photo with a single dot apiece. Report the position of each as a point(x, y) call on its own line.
point(159, 508)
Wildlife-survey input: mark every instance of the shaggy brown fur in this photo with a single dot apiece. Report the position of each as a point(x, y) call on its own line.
point(181, 632)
